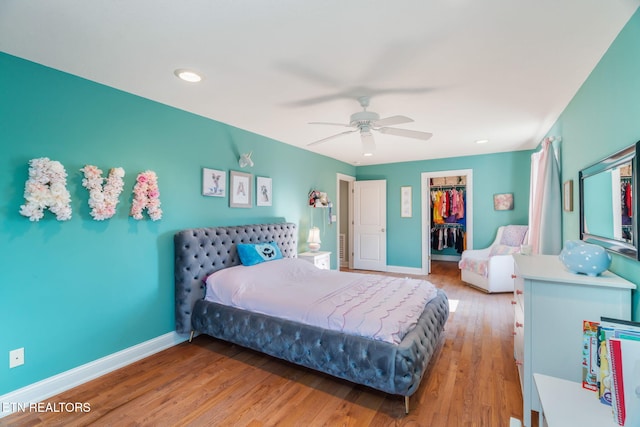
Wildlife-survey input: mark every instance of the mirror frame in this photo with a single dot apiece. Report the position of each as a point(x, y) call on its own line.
point(623, 248)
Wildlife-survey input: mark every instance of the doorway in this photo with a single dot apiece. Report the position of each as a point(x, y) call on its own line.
point(344, 215)
point(455, 177)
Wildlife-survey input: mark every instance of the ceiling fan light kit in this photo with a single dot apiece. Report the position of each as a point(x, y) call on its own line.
point(367, 121)
point(368, 145)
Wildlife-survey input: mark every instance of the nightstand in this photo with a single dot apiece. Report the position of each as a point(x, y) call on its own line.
point(319, 259)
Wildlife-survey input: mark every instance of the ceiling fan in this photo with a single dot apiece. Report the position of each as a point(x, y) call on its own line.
point(367, 121)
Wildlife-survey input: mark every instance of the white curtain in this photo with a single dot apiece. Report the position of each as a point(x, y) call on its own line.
point(545, 202)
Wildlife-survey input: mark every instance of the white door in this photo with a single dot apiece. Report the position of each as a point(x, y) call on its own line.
point(370, 225)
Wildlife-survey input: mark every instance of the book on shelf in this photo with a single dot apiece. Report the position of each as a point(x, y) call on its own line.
point(617, 385)
point(604, 367)
point(590, 355)
point(623, 355)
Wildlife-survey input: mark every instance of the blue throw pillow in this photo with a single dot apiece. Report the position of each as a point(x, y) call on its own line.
point(255, 253)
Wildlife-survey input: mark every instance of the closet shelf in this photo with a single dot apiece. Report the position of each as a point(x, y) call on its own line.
point(449, 187)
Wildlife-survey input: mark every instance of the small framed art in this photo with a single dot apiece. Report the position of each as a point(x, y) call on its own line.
point(263, 191)
point(567, 195)
point(240, 189)
point(405, 202)
point(214, 183)
point(503, 202)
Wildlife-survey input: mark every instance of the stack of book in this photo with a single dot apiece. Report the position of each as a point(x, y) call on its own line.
point(613, 346)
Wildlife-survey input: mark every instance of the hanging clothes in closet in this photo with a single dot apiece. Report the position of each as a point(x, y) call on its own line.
point(448, 219)
point(626, 202)
point(447, 236)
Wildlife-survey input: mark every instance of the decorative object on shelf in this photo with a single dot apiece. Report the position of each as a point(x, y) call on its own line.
point(102, 200)
point(46, 188)
point(405, 202)
point(245, 160)
point(214, 183)
point(240, 190)
point(584, 258)
point(314, 239)
point(146, 195)
point(263, 191)
point(318, 199)
point(503, 202)
point(567, 195)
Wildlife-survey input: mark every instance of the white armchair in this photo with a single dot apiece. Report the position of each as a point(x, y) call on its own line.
point(491, 269)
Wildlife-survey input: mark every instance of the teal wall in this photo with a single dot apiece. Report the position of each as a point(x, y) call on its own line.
point(75, 291)
point(492, 173)
point(602, 118)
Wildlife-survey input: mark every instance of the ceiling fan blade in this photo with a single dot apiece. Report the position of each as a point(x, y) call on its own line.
point(406, 133)
point(368, 144)
point(331, 137)
point(331, 123)
point(392, 121)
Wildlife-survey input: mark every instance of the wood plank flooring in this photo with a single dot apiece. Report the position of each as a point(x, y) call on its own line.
point(472, 381)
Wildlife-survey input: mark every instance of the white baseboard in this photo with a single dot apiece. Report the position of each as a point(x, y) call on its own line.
point(404, 270)
point(51, 386)
point(445, 257)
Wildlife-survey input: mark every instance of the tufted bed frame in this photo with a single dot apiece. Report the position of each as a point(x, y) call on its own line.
point(394, 369)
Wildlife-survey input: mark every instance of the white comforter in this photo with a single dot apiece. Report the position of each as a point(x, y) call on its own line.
point(375, 306)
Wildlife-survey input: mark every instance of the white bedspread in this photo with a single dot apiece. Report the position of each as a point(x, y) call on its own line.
point(375, 306)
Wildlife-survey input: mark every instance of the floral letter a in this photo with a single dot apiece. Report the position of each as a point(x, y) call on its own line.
point(146, 195)
point(102, 202)
point(46, 188)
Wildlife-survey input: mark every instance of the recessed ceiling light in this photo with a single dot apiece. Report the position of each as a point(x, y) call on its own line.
point(187, 75)
point(482, 141)
point(367, 154)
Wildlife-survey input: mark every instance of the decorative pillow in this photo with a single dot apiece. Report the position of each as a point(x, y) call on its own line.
point(503, 250)
point(513, 235)
point(255, 253)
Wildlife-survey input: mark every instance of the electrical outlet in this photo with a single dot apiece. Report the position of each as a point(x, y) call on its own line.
point(16, 357)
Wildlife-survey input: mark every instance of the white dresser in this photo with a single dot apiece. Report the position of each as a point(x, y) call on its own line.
point(320, 259)
point(550, 304)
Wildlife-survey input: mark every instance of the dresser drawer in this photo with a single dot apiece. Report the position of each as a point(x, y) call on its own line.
point(518, 334)
point(518, 288)
point(321, 260)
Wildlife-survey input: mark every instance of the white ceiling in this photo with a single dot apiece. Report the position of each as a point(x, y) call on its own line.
point(464, 70)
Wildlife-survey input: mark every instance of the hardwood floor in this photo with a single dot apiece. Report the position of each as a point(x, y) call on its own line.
point(472, 381)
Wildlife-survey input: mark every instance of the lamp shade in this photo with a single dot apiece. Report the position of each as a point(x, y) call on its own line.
point(314, 239)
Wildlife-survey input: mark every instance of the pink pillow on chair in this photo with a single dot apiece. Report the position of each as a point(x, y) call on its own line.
point(513, 235)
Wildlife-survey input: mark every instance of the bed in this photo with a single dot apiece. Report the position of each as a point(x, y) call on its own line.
point(394, 368)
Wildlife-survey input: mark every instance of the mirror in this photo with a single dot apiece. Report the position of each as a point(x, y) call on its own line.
point(609, 203)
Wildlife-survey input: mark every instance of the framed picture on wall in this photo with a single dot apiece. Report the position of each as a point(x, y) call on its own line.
point(264, 195)
point(241, 189)
point(214, 183)
point(405, 202)
point(567, 196)
point(503, 202)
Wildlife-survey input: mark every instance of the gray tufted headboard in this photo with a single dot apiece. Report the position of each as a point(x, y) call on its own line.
point(201, 251)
